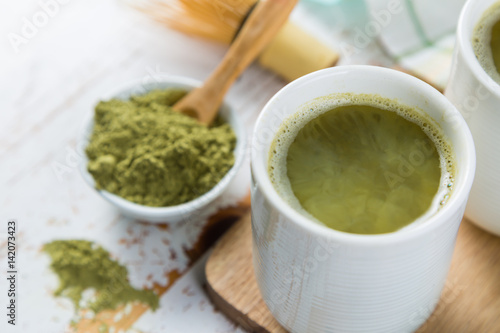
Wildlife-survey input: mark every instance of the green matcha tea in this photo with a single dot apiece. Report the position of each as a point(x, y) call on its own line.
point(367, 165)
point(145, 152)
point(486, 41)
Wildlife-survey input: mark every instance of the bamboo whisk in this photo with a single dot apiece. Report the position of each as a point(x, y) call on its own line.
point(213, 19)
point(291, 54)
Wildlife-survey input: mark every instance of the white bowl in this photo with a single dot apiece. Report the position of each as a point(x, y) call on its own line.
point(171, 214)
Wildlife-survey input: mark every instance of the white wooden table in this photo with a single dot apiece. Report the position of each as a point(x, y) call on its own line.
point(49, 81)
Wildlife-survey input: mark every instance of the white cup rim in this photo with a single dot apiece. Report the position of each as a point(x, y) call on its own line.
point(443, 216)
point(465, 45)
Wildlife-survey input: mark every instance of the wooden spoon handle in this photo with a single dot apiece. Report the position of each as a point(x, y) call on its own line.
point(261, 26)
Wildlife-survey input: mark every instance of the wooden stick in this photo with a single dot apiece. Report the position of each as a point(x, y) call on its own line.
point(261, 26)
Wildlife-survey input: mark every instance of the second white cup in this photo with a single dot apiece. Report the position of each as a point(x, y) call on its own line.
point(477, 97)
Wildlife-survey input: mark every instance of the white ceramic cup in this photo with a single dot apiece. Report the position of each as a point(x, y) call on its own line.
point(316, 279)
point(477, 97)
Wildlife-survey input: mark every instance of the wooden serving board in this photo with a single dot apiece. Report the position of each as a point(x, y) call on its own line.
point(470, 301)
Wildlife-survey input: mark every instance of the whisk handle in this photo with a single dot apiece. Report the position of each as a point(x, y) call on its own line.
point(261, 26)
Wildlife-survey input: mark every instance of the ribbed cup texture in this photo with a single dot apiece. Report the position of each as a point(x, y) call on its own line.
point(312, 283)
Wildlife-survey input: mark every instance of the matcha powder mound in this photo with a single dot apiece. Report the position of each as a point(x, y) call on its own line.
point(83, 265)
point(145, 152)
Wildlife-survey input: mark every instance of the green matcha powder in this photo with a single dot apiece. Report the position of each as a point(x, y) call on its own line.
point(82, 265)
point(143, 151)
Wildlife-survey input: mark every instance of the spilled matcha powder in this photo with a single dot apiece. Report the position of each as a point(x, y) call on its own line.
point(83, 265)
point(143, 151)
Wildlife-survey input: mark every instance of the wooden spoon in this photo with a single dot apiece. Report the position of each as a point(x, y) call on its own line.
point(259, 29)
